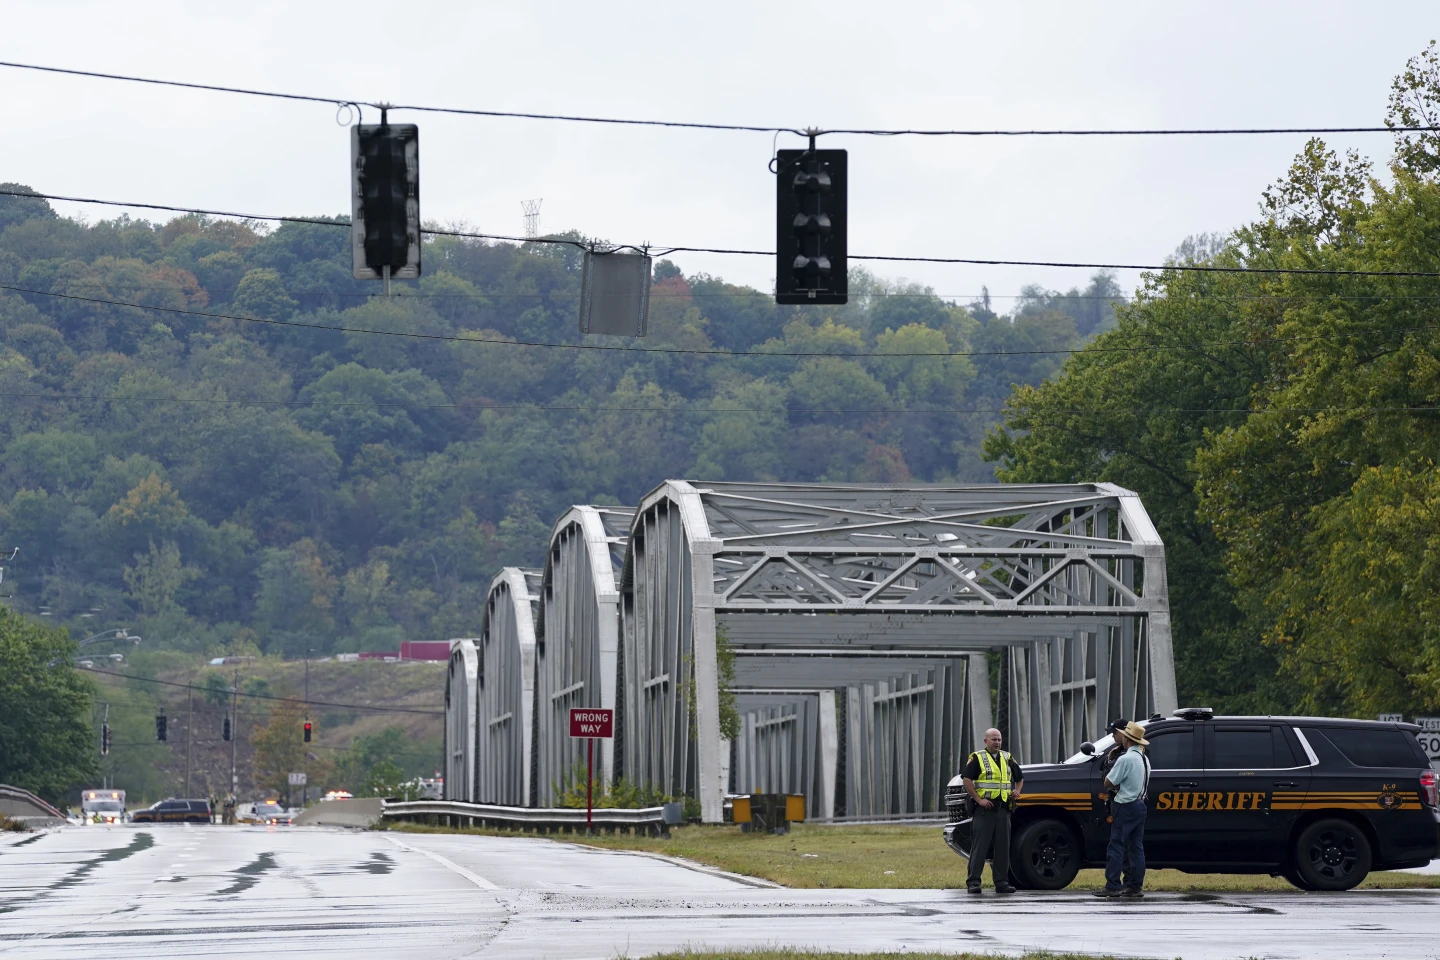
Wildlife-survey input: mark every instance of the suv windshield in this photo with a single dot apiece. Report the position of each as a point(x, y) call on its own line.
point(1101, 745)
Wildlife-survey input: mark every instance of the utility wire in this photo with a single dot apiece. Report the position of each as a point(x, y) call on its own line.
point(262, 696)
point(735, 127)
point(706, 411)
point(659, 250)
point(692, 351)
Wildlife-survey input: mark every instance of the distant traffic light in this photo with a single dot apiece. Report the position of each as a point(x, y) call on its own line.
point(810, 226)
point(307, 731)
point(104, 739)
point(385, 200)
point(225, 730)
point(160, 724)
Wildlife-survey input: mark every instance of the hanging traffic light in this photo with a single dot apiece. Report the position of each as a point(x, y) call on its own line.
point(104, 739)
point(307, 731)
point(225, 729)
point(810, 226)
point(385, 200)
point(160, 724)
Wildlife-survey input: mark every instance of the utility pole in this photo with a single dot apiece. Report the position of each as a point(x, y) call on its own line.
point(235, 735)
point(189, 736)
point(305, 790)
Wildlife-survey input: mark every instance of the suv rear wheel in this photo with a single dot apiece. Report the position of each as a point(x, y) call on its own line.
point(1046, 855)
point(1332, 855)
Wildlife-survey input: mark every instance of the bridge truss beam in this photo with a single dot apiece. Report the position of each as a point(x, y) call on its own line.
point(1070, 579)
point(505, 689)
point(577, 640)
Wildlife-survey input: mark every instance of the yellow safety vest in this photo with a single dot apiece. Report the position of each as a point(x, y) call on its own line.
point(994, 782)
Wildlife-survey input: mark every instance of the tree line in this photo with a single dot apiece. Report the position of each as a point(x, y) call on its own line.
point(1283, 430)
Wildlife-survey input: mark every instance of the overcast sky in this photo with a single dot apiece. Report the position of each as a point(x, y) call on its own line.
point(835, 64)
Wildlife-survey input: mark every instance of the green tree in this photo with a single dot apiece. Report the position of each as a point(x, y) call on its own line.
point(47, 742)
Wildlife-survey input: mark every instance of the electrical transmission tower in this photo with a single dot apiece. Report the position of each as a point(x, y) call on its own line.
point(532, 217)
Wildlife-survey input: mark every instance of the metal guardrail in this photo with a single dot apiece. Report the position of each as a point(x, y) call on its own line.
point(540, 820)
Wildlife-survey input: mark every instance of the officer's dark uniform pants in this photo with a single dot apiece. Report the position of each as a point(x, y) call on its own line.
point(1127, 846)
point(987, 826)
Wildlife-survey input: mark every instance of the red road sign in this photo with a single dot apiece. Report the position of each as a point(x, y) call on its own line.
point(590, 722)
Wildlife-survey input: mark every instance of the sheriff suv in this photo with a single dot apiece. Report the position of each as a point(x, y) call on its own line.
point(174, 811)
point(1319, 801)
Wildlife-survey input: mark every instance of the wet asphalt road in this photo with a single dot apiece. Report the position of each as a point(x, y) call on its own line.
point(197, 891)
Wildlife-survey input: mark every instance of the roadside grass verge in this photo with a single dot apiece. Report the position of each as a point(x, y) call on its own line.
point(883, 857)
point(787, 954)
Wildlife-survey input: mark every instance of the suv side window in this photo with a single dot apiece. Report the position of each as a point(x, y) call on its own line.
point(1173, 749)
point(1376, 746)
point(1244, 748)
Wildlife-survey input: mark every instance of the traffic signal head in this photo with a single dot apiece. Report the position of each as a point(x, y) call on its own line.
point(810, 265)
point(160, 725)
point(385, 204)
point(307, 731)
point(104, 739)
point(225, 729)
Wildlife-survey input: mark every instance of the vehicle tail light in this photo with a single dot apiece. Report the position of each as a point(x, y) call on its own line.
point(1428, 788)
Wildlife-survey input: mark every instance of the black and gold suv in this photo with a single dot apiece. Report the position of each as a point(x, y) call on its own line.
point(174, 811)
point(1319, 801)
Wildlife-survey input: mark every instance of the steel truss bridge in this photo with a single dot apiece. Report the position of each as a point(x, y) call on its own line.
point(854, 641)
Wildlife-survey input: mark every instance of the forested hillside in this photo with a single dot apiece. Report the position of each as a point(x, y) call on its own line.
point(1284, 430)
point(230, 470)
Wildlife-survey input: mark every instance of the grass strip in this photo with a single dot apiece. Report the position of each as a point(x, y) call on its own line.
point(787, 954)
point(888, 857)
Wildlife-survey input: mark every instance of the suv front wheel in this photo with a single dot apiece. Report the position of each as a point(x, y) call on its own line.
point(1046, 856)
point(1332, 855)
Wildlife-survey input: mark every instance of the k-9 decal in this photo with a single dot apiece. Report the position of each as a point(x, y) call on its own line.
point(1205, 800)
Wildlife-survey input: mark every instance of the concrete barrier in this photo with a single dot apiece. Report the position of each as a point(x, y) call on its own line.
point(364, 812)
point(17, 803)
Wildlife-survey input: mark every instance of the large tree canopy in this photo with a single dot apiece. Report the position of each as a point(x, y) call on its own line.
point(47, 744)
point(1284, 429)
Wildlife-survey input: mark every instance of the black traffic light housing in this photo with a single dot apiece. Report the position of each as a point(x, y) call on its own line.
point(810, 224)
point(307, 731)
point(225, 729)
point(160, 724)
point(385, 204)
point(104, 739)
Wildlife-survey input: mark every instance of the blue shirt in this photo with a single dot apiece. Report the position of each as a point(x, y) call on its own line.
point(1128, 776)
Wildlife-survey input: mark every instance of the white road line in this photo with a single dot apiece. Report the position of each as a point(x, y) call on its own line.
point(476, 879)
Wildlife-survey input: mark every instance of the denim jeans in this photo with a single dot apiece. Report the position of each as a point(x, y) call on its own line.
point(1127, 846)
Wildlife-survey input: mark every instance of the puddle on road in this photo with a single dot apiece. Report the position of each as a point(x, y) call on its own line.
point(248, 875)
point(27, 840)
point(138, 843)
point(379, 864)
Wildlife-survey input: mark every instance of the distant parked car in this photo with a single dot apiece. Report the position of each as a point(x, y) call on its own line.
point(174, 811)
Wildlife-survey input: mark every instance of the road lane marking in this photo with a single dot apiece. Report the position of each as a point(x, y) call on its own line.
point(476, 879)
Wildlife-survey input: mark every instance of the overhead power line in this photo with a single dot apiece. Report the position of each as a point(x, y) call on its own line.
point(727, 127)
point(660, 250)
point(1159, 343)
point(708, 411)
point(261, 696)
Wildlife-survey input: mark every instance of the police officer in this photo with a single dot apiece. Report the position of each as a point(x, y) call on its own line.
point(993, 780)
point(1128, 781)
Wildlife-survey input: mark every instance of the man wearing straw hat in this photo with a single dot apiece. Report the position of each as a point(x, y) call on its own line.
point(1127, 782)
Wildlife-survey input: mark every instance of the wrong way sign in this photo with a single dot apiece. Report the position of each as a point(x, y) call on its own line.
point(591, 722)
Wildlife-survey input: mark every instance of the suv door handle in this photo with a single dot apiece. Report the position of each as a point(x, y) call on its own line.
point(1285, 783)
point(1185, 783)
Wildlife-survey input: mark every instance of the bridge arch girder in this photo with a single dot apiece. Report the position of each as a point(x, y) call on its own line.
point(577, 639)
point(505, 688)
point(951, 571)
point(461, 678)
